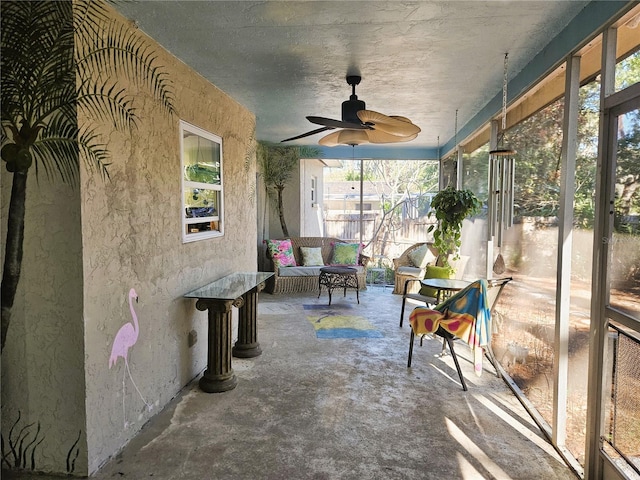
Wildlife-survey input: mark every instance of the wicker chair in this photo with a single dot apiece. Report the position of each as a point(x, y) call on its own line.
point(405, 269)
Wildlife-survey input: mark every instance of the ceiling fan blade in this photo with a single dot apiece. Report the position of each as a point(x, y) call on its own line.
point(394, 125)
point(329, 122)
point(378, 136)
point(312, 132)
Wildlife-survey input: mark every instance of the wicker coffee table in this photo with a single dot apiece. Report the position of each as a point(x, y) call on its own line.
point(338, 277)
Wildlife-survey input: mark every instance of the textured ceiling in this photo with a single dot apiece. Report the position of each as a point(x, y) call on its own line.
point(423, 60)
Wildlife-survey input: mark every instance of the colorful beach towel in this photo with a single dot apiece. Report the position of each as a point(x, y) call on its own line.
point(465, 315)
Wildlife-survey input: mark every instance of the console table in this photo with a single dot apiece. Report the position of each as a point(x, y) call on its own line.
point(236, 290)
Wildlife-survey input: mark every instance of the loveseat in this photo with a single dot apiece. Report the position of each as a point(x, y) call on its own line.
point(301, 278)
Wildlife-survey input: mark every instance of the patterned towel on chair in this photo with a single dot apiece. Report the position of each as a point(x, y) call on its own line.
point(465, 315)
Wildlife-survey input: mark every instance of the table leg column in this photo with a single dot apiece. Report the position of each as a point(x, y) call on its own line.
point(247, 345)
point(219, 376)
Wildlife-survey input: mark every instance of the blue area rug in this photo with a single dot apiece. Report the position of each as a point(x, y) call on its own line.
point(329, 308)
point(331, 322)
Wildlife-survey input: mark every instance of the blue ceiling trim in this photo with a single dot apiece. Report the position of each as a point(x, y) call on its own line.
point(377, 152)
point(582, 27)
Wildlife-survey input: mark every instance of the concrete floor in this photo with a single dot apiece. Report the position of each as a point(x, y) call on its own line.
point(311, 408)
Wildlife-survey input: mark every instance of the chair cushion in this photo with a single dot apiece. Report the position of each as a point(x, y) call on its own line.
point(421, 256)
point(282, 252)
point(311, 256)
point(299, 271)
point(411, 271)
point(308, 271)
point(434, 272)
point(421, 298)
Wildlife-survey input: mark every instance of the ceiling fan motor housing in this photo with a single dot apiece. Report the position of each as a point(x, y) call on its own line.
point(351, 107)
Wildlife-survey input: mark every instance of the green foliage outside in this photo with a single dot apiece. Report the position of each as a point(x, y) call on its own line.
point(404, 188)
point(353, 176)
point(538, 141)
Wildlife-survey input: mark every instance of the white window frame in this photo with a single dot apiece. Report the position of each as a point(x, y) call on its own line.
point(191, 232)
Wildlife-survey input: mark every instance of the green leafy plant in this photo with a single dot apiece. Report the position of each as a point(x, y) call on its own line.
point(451, 207)
point(59, 59)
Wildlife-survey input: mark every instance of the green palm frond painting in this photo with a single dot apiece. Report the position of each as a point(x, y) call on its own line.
point(59, 59)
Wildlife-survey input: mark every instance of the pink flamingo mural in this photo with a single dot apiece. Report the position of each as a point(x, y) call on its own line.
point(126, 338)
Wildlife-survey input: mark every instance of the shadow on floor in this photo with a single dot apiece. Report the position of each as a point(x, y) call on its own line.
point(332, 407)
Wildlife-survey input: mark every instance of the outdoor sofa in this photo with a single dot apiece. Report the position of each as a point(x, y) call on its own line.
point(304, 278)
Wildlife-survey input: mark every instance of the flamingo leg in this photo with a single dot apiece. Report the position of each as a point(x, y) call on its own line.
point(124, 410)
point(137, 389)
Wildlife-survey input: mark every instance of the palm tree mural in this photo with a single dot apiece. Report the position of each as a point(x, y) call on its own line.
point(59, 59)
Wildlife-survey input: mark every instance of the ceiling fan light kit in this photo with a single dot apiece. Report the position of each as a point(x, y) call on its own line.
point(344, 137)
point(359, 125)
point(358, 137)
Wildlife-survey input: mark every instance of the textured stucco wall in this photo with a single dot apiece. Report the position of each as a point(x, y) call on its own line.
point(131, 233)
point(131, 238)
point(86, 247)
point(42, 363)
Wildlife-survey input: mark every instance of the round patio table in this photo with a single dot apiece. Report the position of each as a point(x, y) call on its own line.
point(338, 277)
point(445, 286)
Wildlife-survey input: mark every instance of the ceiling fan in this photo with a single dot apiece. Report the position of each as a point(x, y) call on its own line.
point(359, 125)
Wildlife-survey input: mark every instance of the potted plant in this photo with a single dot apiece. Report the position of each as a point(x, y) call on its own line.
point(451, 207)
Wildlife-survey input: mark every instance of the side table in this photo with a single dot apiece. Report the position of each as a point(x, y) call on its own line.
point(338, 277)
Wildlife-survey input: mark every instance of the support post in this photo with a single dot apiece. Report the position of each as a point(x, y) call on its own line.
point(565, 244)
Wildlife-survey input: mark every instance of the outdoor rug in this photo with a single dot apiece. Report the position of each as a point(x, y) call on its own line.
point(331, 322)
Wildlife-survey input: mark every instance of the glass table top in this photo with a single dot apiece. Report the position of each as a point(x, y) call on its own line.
point(445, 283)
point(230, 287)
